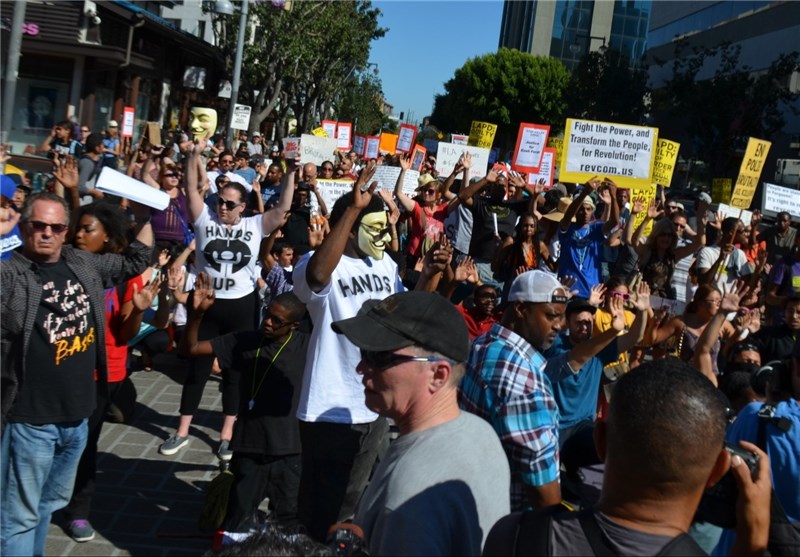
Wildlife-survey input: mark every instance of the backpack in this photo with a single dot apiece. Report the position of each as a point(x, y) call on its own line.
point(532, 537)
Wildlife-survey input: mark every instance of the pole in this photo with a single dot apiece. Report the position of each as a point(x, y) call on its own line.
point(12, 69)
point(237, 68)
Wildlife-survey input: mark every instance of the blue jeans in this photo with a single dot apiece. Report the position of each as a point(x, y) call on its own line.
point(39, 464)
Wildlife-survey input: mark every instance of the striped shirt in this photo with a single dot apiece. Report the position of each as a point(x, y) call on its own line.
point(505, 385)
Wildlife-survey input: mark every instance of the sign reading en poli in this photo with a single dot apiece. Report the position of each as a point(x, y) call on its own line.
point(749, 172)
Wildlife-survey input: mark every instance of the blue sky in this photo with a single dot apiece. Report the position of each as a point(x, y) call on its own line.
point(426, 43)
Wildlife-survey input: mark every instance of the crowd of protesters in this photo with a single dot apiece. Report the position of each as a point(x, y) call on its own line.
point(548, 329)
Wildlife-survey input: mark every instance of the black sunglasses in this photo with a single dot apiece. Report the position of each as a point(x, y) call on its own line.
point(379, 361)
point(229, 205)
point(171, 175)
point(40, 226)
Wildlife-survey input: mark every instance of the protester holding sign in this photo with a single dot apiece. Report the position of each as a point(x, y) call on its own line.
point(582, 241)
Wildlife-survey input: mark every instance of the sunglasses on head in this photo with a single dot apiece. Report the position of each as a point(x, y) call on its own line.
point(229, 205)
point(40, 226)
point(378, 361)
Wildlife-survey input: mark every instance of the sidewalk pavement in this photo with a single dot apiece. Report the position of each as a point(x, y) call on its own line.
point(146, 503)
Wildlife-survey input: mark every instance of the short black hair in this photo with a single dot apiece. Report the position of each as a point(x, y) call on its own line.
point(291, 303)
point(729, 224)
point(341, 205)
point(94, 141)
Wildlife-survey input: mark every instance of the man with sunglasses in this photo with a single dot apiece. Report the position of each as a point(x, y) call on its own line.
point(444, 482)
point(52, 346)
point(266, 436)
point(226, 165)
point(341, 435)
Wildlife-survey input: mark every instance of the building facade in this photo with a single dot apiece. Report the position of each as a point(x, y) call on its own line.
point(569, 29)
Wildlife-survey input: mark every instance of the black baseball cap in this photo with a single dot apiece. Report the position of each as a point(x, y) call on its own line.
point(409, 318)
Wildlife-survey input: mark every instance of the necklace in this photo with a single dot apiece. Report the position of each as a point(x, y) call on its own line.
point(254, 389)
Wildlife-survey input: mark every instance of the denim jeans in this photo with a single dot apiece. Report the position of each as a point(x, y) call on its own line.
point(38, 463)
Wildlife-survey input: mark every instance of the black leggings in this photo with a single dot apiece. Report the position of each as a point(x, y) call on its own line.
point(225, 316)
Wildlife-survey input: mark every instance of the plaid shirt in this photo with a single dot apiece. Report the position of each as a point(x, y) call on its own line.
point(505, 385)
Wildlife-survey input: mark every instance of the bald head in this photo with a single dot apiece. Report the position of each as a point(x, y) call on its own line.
point(309, 172)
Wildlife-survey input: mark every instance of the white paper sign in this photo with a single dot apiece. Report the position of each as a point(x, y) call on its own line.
point(458, 139)
point(331, 190)
point(777, 198)
point(358, 144)
point(531, 145)
point(127, 122)
point(728, 211)
point(448, 154)
point(545, 171)
point(343, 132)
point(405, 139)
point(316, 149)
point(291, 146)
point(116, 183)
point(675, 307)
point(241, 117)
point(386, 176)
point(373, 146)
point(330, 127)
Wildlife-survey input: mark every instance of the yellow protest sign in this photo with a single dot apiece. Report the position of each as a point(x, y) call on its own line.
point(481, 134)
point(664, 165)
point(749, 172)
point(556, 143)
point(319, 132)
point(622, 152)
point(721, 189)
point(648, 194)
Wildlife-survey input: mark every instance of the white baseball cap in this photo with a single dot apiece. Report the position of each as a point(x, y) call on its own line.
point(538, 287)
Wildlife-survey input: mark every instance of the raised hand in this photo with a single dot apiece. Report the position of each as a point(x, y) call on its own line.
point(638, 205)
point(67, 173)
point(492, 176)
point(731, 298)
point(597, 294)
point(438, 257)
point(466, 160)
point(204, 295)
point(617, 310)
point(717, 222)
point(605, 195)
point(653, 210)
point(8, 219)
point(756, 219)
point(642, 299)
point(405, 161)
point(568, 282)
point(143, 299)
point(591, 185)
point(175, 277)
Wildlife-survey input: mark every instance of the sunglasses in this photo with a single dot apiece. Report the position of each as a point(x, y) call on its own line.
point(40, 226)
point(622, 295)
point(429, 191)
point(379, 361)
point(171, 175)
point(84, 130)
point(229, 205)
point(226, 161)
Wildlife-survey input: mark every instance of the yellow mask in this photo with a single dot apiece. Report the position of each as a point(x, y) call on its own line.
point(202, 122)
point(373, 234)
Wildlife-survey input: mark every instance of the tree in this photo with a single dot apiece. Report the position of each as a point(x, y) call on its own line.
point(504, 88)
point(300, 59)
point(604, 87)
point(719, 113)
point(361, 102)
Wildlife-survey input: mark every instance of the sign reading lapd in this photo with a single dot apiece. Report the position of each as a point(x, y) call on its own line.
point(664, 165)
point(749, 173)
point(481, 134)
point(625, 153)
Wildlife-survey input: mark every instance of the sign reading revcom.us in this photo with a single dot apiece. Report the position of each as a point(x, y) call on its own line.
point(621, 152)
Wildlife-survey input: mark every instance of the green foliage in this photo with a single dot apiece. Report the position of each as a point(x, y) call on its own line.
point(719, 112)
point(603, 87)
point(300, 59)
point(504, 88)
point(361, 102)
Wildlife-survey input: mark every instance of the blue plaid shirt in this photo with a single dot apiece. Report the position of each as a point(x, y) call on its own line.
point(505, 385)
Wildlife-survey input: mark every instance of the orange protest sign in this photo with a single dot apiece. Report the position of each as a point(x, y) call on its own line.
point(388, 143)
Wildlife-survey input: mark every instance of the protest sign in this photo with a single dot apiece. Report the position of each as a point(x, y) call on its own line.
point(674, 307)
point(778, 198)
point(531, 141)
point(291, 146)
point(116, 183)
point(556, 143)
point(153, 133)
point(330, 127)
point(481, 134)
point(418, 158)
point(359, 144)
point(458, 139)
point(371, 147)
point(320, 132)
point(749, 172)
point(331, 190)
point(386, 176)
point(648, 194)
point(546, 170)
point(344, 133)
point(623, 152)
point(127, 122)
point(721, 189)
point(388, 143)
point(494, 155)
point(241, 117)
point(406, 137)
point(730, 211)
point(448, 154)
point(664, 165)
point(316, 149)
point(432, 145)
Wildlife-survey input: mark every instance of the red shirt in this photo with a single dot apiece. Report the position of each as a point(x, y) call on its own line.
point(472, 318)
point(117, 350)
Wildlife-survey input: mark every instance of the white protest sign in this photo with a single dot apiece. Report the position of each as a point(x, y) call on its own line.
point(241, 117)
point(371, 150)
point(546, 170)
point(330, 127)
point(777, 199)
point(458, 139)
point(331, 190)
point(344, 132)
point(386, 176)
point(116, 183)
point(405, 138)
point(448, 154)
point(316, 149)
point(675, 307)
point(625, 153)
point(531, 141)
point(127, 122)
point(359, 144)
point(728, 211)
point(291, 146)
